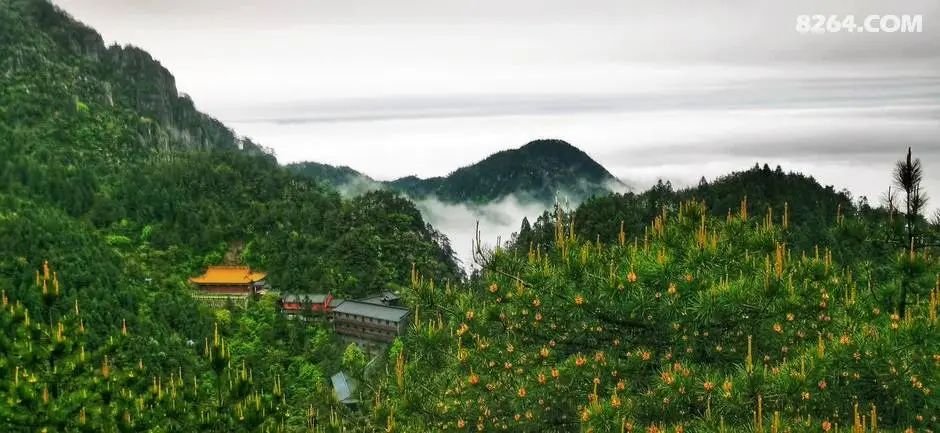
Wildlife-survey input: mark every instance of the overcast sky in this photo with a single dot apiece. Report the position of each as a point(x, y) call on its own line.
point(675, 89)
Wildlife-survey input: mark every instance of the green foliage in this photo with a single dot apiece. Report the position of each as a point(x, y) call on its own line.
point(354, 360)
point(110, 174)
point(703, 322)
point(342, 178)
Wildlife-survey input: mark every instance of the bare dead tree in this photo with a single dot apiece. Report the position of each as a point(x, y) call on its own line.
point(890, 200)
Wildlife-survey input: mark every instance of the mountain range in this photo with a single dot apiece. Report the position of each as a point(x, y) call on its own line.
point(114, 190)
point(541, 170)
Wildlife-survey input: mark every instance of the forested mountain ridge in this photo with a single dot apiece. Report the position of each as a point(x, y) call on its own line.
point(127, 190)
point(760, 302)
point(39, 39)
point(101, 134)
point(811, 205)
point(329, 174)
point(541, 170)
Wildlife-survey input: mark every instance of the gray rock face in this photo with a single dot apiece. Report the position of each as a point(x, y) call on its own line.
point(129, 77)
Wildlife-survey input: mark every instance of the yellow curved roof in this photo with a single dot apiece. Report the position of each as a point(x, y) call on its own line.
point(229, 275)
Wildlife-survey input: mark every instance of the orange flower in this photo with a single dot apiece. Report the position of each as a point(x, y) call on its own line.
point(667, 378)
point(469, 315)
point(578, 300)
point(555, 373)
point(778, 328)
point(461, 423)
point(538, 317)
point(672, 290)
point(822, 384)
point(646, 355)
point(621, 385)
point(536, 303)
point(615, 402)
point(521, 392)
point(826, 425)
point(580, 361)
point(727, 386)
point(544, 352)
point(688, 278)
point(474, 379)
point(494, 288)
point(631, 277)
point(462, 329)
point(541, 378)
point(708, 386)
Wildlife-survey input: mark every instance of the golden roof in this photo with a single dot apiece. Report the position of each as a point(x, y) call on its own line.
point(228, 275)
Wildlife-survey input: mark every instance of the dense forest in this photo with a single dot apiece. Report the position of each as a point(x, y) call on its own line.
point(696, 323)
point(126, 190)
point(758, 302)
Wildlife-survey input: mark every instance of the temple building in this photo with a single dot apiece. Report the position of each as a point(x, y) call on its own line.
point(221, 284)
point(298, 305)
point(369, 322)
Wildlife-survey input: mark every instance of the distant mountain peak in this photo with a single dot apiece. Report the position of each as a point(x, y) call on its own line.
point(549, 145)
point(541, 170)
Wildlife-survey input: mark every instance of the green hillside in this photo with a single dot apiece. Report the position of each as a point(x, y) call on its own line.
point(703, 324)
point(328, 174)
point(761, 302)
point(116, 180)
point(542, 171)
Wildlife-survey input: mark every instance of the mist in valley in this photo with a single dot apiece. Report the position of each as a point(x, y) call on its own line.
point(498, 220)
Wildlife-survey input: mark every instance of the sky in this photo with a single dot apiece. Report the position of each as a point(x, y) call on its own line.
point(672, 89)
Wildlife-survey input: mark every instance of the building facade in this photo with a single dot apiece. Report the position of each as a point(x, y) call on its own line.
point(297, 305)
point(369, 321)
point(220, 285)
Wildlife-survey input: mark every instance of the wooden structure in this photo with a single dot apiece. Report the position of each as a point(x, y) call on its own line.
point(222, 284)
point(369, 321)
point(297, 305)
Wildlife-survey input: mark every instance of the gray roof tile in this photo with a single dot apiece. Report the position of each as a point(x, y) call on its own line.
point(395, 314)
